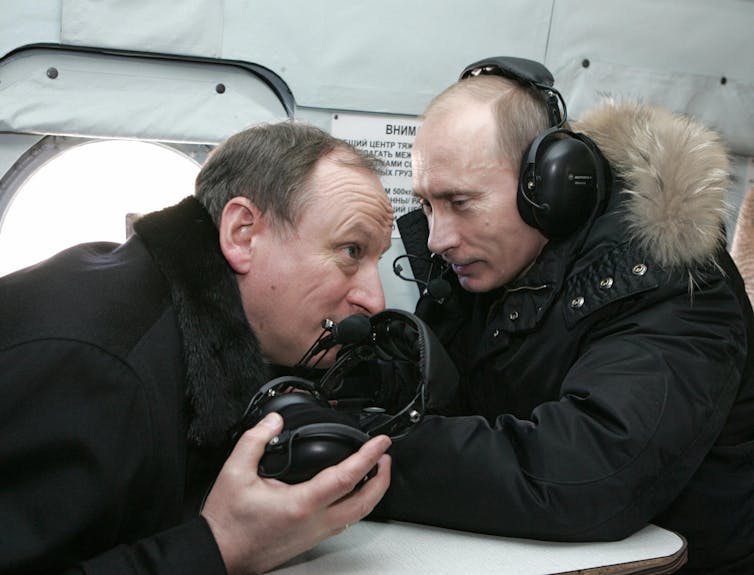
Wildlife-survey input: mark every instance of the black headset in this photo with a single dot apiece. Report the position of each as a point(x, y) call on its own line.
point(562, 175)
point(314, 436)
point(320, 431)
point(435, 286)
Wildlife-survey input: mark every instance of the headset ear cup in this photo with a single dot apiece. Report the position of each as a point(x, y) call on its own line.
point(314, 437)
point(559, 183)
point(290, 403)
point(310, 449)
point(305, 411)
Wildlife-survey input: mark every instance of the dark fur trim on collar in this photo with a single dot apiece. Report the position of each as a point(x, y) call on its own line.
point(224, 365)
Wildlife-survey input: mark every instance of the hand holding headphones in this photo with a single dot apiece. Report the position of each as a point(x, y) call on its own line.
point(317, 433)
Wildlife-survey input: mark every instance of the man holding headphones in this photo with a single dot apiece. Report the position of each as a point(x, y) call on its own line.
point(603, 335)
point(126, 369)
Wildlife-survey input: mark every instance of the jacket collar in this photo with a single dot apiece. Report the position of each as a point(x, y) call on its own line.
point(676, 174)
point(224, 365)
point(668, 180)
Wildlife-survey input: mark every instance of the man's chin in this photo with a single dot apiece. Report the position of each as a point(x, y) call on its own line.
point(321, 361)
point(472, 284)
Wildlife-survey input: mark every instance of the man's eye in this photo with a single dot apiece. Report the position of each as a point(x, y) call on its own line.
point(354, 251)
point(460, 203)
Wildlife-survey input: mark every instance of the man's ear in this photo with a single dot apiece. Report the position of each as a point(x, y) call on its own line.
point(240, 221)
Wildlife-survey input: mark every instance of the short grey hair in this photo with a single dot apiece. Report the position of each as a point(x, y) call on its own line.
point(271, 165)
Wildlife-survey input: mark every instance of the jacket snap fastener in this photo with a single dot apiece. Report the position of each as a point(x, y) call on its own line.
point(639, 270)
point(496, 333)
point(577, 302)
point(606, 283)
point(513, 316)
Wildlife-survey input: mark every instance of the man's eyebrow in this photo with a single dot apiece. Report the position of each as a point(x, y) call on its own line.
point(445, 194)
point(361, 233)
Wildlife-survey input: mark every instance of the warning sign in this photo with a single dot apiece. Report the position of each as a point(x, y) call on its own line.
point(389, 138)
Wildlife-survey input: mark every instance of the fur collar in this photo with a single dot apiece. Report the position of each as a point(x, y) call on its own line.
point(224, 365)
point(676, 175)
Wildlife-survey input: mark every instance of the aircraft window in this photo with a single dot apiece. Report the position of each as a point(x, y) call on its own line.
point(90, 192)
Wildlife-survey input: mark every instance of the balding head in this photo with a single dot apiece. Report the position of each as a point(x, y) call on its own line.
point(519, 112)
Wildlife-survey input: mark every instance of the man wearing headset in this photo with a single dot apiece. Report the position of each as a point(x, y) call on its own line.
point(125, 369)
point(603, 335)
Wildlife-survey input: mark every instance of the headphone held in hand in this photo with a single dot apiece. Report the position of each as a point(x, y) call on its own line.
point(318, 431)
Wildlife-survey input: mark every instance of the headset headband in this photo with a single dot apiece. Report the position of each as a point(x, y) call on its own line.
point(529, 74)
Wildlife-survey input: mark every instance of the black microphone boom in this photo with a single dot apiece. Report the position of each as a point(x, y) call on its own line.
point(353, 329)
point(436, 288)
point(320, 430)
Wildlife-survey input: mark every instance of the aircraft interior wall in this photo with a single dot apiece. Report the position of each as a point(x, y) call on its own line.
point(188, 73)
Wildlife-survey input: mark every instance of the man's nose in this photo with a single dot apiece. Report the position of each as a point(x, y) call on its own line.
point(369, 294)
point(442, 234)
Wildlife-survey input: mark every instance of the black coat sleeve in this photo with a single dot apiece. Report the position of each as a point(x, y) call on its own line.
point(89, 482)
point(186, 548)
point(637, 413)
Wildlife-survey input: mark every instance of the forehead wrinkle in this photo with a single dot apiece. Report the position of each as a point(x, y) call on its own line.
point(373, 206)
point(363, 221)
point(356, 227)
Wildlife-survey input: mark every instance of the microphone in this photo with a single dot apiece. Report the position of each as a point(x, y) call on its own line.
point(354, 333)
point(436, 288)
point(353, 329)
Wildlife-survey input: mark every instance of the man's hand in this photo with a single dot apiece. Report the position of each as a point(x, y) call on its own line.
point(259, 523)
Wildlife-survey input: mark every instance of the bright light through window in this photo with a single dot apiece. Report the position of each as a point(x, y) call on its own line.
point(85, 193)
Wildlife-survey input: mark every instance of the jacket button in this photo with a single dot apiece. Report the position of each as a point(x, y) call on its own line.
point(496, 333)
point(577, 302)
point(606, 283)
point(639, 270)
point(513, 316)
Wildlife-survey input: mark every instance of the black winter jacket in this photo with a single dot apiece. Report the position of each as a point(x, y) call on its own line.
point(611, 386)
point(123, 367)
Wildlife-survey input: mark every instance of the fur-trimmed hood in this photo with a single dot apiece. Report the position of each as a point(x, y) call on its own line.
point(224, 365)
point(676, 172)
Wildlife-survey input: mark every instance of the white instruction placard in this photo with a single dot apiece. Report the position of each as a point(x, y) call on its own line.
point(389, 138)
